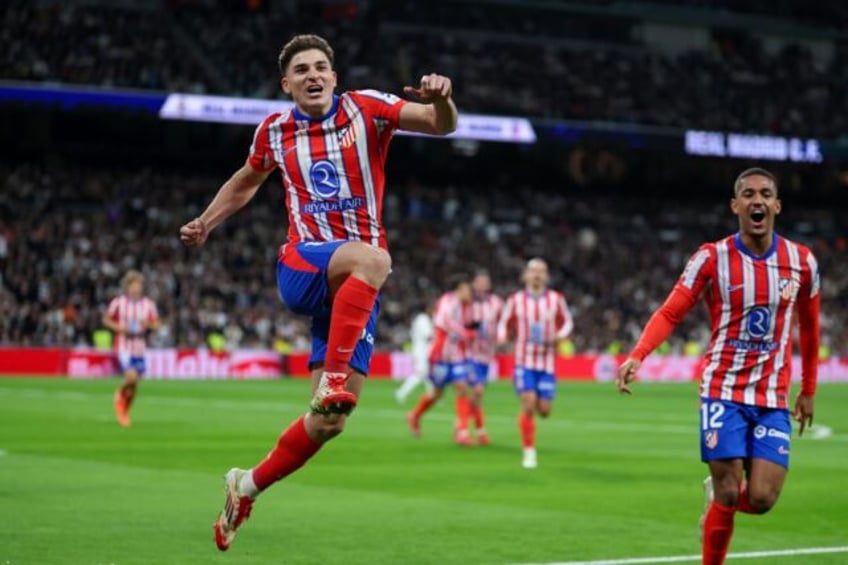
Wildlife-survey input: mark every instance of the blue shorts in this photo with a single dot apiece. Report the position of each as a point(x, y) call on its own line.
point(127, 362)
point(443, 374)
point(531, 380)
point(478, 373)
point(730, 430)
point(302, 282)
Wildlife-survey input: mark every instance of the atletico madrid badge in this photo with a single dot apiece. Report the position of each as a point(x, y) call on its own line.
point(711, 439)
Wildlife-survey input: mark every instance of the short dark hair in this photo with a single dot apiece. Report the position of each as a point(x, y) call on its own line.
point(300, 43)
point(751, 172)
point(455, 280)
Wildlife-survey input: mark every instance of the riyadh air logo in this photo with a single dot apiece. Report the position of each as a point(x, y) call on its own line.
point(759, 320)
point(325, 179)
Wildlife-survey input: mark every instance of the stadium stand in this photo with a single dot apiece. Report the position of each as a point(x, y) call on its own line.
point(561, 60)
point(615, 257)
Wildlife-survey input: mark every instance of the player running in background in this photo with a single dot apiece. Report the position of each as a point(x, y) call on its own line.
point(421, 336)
point(538, 318)
point(330, 150)
point(485, 310)
point(753, 282)
point(130, 316)
point(449, 358)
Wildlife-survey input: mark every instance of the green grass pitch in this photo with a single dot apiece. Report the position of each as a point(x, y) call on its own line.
point(618, 478)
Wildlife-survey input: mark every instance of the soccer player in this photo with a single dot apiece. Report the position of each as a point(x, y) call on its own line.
point(421, 335)
point(538, 317)
point(753, 282)
point(485, 310)
point(330, 150)
point(448, 358)
point(130, 316)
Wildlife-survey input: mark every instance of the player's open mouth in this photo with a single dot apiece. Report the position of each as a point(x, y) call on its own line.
point(315, 89)
point(758, 216)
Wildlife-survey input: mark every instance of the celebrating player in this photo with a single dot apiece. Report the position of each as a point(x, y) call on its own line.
point(752, 282)
point(331, 151)
point(539, 318)
point(448, 358)
point(130, 316)
point(485, 310)
point(421, 336)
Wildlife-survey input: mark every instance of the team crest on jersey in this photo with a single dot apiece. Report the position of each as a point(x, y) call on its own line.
point(347, 135)
point(711, 439)
point(788, 288)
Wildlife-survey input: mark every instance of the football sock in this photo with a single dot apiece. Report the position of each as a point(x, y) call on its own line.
point(477, 414)
point(247, 487)
point(463, 411)
point(527, 425)
point(744, 504)
point(423, 405)
point(718, 529)
point(352, 307)
point(293, 450)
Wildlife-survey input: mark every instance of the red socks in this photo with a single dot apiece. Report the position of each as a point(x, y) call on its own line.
point(463, 411)
point(743, 504)
point(718, 529)
point(293, 450)
point(477, 414)
point(423, 405)
point(527, 425)
point(352, 307)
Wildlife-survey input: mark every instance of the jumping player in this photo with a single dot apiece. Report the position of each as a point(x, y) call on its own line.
point(331, 151)
point(753, 282)
point(130, 316)
point(539, 318)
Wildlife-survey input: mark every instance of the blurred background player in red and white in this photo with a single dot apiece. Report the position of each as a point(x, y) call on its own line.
point(331, 151)
point(538, 318)
point(421, 338)
point(485, 311)
point(130, 316)
point(449, 357)
point(753, 282)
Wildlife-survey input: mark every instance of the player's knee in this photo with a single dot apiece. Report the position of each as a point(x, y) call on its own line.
point(762, 501)
point(727, 491)
point(375, 264)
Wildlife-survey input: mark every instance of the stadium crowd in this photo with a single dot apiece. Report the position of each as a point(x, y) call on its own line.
point(543, 63)
point(67, 234)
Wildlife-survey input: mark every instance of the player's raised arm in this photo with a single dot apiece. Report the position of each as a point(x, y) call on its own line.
point(435, 113)
point(232, 195)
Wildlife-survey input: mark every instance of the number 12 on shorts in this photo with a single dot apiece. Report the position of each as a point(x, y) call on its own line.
point(711, 413)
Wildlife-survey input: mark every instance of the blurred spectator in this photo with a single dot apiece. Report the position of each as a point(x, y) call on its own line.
point(75, 230)
point(503, 58)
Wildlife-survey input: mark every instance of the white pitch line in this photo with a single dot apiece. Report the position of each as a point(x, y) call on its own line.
point(697, 558)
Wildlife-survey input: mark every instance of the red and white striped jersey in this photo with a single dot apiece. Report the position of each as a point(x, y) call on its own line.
point(537, 322)
point(333, 168)
point(751, 301)
point(485, 312)
point(134, 315)
point(451, 318)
